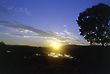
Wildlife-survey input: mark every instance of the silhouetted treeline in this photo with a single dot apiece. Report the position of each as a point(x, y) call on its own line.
point(16, 59)
point(94, 24)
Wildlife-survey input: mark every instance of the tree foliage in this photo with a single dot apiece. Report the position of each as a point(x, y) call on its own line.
point(94, 24)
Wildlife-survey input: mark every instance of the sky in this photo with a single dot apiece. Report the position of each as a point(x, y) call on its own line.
point(36, 22)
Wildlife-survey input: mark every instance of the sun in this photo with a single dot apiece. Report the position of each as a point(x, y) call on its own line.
point(55, 44)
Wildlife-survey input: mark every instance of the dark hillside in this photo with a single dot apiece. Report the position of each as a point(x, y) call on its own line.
point(34, 60)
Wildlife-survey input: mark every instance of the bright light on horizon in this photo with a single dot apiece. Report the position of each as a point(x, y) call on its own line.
point(55, 44)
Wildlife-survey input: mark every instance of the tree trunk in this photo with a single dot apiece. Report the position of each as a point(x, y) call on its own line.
point(91, 43)
point(102, 44)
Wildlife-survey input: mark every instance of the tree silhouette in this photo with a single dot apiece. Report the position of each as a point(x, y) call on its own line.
point(94, 24)
point(2, 43)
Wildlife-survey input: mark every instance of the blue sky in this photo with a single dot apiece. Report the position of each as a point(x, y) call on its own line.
point(50, 18)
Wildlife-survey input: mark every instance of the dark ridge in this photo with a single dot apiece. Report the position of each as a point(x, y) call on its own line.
point(16, 59)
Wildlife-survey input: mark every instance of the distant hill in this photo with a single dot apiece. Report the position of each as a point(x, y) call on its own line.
point(26, 59)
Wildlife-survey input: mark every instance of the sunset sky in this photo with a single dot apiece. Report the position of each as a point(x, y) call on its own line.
point(36, 22)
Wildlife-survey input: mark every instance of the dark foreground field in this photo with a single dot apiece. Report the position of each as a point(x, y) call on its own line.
point(25, 60)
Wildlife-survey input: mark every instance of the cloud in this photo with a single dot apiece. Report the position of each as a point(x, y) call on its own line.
point(23, 31)
point(30, 32)
point(70, 38)
point(7, 10)
point(18, 10)
point(25, 28)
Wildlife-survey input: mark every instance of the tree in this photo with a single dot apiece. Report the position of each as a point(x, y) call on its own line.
point(94, 24)
point(2, 43)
